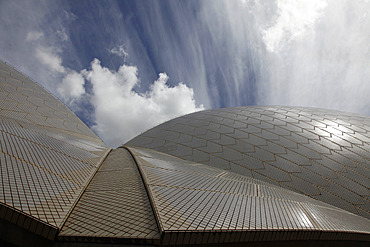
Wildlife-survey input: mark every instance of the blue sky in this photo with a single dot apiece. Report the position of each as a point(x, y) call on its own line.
point(125, 66)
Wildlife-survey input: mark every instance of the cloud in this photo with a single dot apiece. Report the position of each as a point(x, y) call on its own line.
point(327, 67)
point(49, 57)
point(171, 101)
point(295, 18)
point(35, 40)
point(229, 52)
point(297, 53)
point(121, 113)
point(69, 16)
point(119, 51)
point(72, 86)
point(34, 35)
point(62, 34)
point(108, 100)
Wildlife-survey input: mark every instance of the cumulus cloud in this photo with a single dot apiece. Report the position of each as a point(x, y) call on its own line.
point(104, 98)
point(294, 19)
point(121, 113)
point(50, 58)
point(72, 86)
point(171, 101)
point(309, 53)
point(119, 51)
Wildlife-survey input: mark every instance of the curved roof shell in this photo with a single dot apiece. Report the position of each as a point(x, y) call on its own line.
point(47, 155)
point(227, 176)
point(323, 154)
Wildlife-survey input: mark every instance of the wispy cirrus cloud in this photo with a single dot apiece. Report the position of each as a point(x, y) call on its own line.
point(307, 52)
point(119, 51)
point(34, 35)
point(321, 58)
point(119, 112)
point(295, 18)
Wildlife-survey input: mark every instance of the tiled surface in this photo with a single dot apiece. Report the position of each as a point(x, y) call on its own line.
point(22, 220)
point(24, 100)
point(114, 205)
point(47, 154)
point(48, 157)
point(319, 153)
point(190, 197)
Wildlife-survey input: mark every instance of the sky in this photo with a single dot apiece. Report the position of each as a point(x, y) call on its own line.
point(124, 67)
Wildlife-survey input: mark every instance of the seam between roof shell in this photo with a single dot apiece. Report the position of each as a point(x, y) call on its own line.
point(167, 234)
point(101, 161)
point(148, 191)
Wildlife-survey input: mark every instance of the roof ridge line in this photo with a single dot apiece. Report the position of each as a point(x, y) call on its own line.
point(148, 191)
point(101, 161)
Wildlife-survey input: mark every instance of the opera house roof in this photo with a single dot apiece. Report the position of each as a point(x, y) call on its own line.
point(241, 176)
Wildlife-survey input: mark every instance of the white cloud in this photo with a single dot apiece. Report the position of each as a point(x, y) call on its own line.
point(69, 16)
point(294, 20)
point(62, 34)
point(119, 51)
point(313, 53)
point(121, 113)
point(72, 86)
point(171, 101)
point(48, 57)
point(328, 68)
point(34, 35)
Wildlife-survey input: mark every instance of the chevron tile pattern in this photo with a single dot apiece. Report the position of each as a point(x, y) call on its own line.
point(243, 175)
point(192, 197)
point(114, 205)
point(319, 153)
point(47, 154)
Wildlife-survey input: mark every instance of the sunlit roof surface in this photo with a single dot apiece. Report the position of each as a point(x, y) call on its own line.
point(228, 176)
